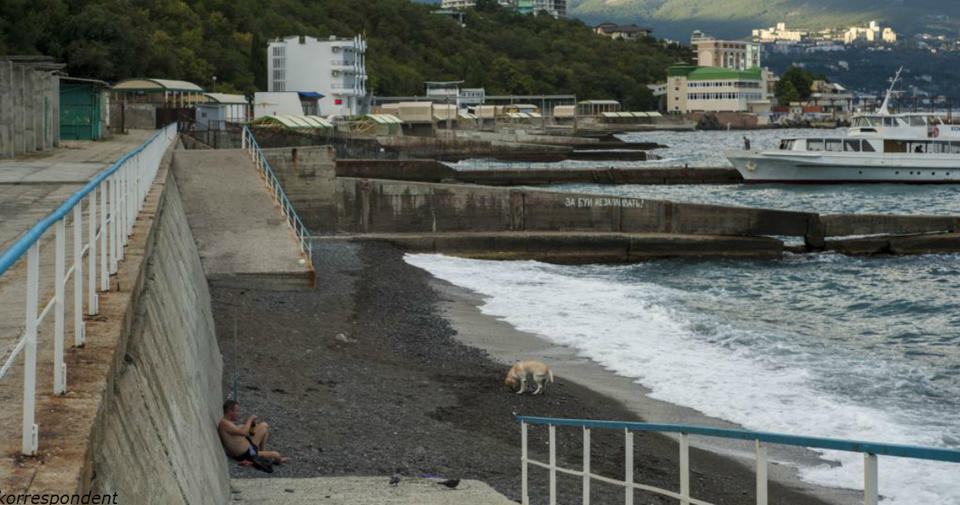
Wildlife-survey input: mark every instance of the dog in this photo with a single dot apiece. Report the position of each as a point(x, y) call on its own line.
point(519, 372)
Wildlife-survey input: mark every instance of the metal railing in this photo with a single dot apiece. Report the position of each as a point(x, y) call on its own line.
point(761, 439)
point(249, 143)
point(113, 199)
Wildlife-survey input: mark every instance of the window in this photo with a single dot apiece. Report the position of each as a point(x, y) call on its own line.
point(889, 122)
point(814, 144)
point(894, 146)
point(851, 145)
point(916, 121)
point(834, 145)
point(867, 147)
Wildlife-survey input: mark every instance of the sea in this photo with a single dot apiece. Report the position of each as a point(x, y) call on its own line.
point(862, 348)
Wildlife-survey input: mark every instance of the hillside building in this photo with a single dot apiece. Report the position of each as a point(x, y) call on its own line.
point(556, 8)
point(622, 32)
point(779, 33)
point(334, 68)
point(730, 54)
point(692, 88)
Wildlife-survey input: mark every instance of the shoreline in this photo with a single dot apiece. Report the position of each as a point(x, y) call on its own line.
point(367, 376)
point(506, 344)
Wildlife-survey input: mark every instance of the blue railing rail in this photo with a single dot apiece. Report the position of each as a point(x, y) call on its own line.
point(870, 450)
point(114, 198)
point(249, 142)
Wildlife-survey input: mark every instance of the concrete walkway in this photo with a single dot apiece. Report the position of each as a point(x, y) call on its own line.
point(362, 491)
point(244, 240)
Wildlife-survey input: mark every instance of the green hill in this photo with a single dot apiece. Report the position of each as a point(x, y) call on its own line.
point(499, 50)
point(734, 18)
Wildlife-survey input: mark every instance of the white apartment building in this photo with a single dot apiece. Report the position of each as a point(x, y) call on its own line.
point(335, 68)
point(871, 33)
point(731, 54)
point(778, 33)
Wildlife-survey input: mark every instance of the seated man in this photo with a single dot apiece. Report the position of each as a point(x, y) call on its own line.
point(246, 441)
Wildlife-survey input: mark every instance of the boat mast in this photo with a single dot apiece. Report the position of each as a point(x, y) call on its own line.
point(886, 100)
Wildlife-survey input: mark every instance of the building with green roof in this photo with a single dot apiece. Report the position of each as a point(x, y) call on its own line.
point(692, 88)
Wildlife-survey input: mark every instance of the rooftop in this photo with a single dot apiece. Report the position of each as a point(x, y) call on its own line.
point(695, 73)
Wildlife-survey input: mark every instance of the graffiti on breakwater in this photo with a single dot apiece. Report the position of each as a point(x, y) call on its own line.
point(600, 202)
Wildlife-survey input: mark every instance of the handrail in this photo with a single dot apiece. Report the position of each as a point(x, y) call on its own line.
point(114, 197)
point(870, 450)
point(22, 245)
point(249, 142)
point(879, 448)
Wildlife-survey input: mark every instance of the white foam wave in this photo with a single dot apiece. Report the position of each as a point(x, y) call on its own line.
point(633, 329)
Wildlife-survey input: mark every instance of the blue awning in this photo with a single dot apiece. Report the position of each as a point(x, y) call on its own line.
point(310, 94)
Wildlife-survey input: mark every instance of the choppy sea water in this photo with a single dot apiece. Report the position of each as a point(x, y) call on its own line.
point(820, 345)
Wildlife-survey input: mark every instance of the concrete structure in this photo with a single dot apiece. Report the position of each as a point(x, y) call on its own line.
point(622, 32)
point(241, 239)
point(556, 8)
point(712, 89)
point(308, 177)
point(362, 491)
point(143, 392)
point(29, 105)
point(283, 103)
point(730, 54)
point(335, 68)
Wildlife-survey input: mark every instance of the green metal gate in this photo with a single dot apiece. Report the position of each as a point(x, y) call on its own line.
point(80, 111)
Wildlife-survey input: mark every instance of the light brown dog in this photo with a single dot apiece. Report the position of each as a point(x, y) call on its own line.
point(531, 368)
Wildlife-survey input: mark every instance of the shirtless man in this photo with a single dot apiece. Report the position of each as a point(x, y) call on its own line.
point(238, 441)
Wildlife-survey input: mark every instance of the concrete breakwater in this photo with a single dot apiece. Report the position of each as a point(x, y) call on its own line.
point(435, 171)
point(425, 196)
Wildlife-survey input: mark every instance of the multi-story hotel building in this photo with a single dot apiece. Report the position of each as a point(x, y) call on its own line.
point(692, 88)
point(335, 68)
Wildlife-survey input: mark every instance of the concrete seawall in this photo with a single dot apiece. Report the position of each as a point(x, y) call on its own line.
point(382, 206)
point(158, 442)
point(143, 397)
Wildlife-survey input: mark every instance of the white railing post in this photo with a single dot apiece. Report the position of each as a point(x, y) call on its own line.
point(59, 372)
point(114, 195)
point(77, 275)
point(761, 473)
point(524, 497)
point(870, 479)
point(586, 466)
point(29, 428)
point(92, 301)
point(553, 465)
point(628, 467)
point(684, 469)
point(104, 236)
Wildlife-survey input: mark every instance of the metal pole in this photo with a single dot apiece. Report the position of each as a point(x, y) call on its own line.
point(104, 246)
point(59, 372)
point(30, 437)
point(684, 469)
point(553, 465)
point(524, 497)
point(761, 473)
point(92, 307)
point(628, 467)
point(586, 466)
point(870, 479)
point(77, 276)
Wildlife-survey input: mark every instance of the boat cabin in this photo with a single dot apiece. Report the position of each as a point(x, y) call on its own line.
point(909, 125)
point(857, 145)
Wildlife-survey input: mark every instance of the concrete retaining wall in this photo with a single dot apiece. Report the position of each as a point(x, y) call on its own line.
point(137, 116)
point(158, 441)
point(381, 206)
point(308, 176)
point(29, 109)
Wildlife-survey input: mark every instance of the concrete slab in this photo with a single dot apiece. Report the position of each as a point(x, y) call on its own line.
point(244, 240)
point(362, 491)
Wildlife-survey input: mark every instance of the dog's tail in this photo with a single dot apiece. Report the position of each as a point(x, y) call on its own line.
point(550, 373)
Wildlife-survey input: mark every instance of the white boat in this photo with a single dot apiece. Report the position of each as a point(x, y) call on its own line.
point(878, 147)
